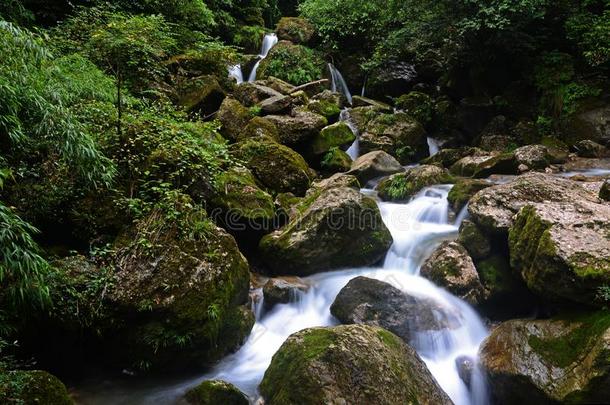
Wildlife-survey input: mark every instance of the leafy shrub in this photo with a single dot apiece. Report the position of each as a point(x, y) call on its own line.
point(295, 64)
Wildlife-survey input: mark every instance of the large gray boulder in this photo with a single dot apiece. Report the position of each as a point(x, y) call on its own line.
point(300, 126)
point(373, 165)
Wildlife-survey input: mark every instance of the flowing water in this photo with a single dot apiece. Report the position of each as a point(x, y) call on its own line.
point(338, 84)
point(236, 73)
point(268, 42)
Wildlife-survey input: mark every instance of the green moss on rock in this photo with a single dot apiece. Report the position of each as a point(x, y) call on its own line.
point(296, 30)
point(336, 160)
point(402, 186)
point(216, 392)
point(333, 136)
point(463, 190)
point(295, 64)
point(32, 387)
point(416, 104)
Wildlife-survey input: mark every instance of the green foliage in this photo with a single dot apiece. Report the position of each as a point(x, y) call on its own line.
point(295, 64)
point(14, 11)
point(590, 31)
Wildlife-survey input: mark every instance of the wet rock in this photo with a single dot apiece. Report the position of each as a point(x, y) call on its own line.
point(313, 88)
point(402, 186)
point(279, 168)
point(32, 387)
point(393, 79)
point(337, 135)
point(358, 101)
point(201, 95)
point(589, 149)
point(282, 290)
point(466, 366)
point(464, 190)
point(301, 126)
point(452, 268)
point(234, 118)
point(336, 160)
point(372, 302)
point(327, 104)
point(502, 284)
point(534, 157)
point(562, 249)
point(373, 165)
point(474, 240)
point(250, 94)
point(561, 360)
point(320, 239)
point(485, 165)
point(216, 392)
point(494, 208)
point(296, 30)
point(349, 364)
point(397, 134)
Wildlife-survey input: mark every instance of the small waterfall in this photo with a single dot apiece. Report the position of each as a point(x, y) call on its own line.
point(236, 73)
point(338, 84)
point(354, 150)
point(433, 146)
point(269, 42)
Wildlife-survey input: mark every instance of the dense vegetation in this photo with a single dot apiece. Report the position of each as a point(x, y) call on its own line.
point(110, 126)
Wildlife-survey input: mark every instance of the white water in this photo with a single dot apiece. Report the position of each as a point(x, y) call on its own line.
point(236, 73)
point(433, 146)
point(269, 42)
point(354, 150)
point(338, 84)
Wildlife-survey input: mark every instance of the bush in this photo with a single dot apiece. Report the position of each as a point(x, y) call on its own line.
point(295, 64)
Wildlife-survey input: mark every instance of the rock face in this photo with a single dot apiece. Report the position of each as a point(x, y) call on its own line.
point(301, 126)
point(279, 168)
point(549, 361)
point(322, 237)
point(397, 134)
point(562, 249)
point(372, 302)
point(374, 164)
point(282, 290)
point(353, 364)
point(32, 387)
point(216, 392)
point(494, 208)
point(474, 240)
point(451, 267)
point(402, 186)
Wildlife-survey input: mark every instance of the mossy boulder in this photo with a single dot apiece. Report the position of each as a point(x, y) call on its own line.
point(179, 290)
point(559, 360)
point(485, 165)
point(251, 94)
point(373, 165)
point(234, 118)
point(562, 249)
point(447, 157)
point(500, 281)
point(348, 364)
point(335, 160)
point(327, 104)
point(464, 190)
point(361, 116)
point(242, 204)
point(474, 240)
point(32, 387)
point(202, 95)
point(299, 127)
point(279, 85)
point(216, 392)
point(360, 101)
point(494, 207)
point(418, 105)
point(296, 30)
point(257, 127)
point(376, 303)
point(397, 134)
point(279, 168)
point(451, 267)
point(295, 64)
point(334, 181)
point(320, 239)
point(589, 123)
point(402, 186)
point(338, 135)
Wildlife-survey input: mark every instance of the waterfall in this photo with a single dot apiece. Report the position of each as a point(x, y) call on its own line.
point(338, 84)
point(433, 146)
point(268, 42)
point(354, 150)
point(236, 73)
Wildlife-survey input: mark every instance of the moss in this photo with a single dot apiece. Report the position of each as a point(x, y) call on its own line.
point(335, 160)
point(216, 393)
point(250, 38)
point(335, 135)
point(496, 275)
point(463, 191)
point(567, 349)
point(32, 387)
point(325, 108)
point(403, 186)
point(296, 30)
point(416, 104)
point(295, 64)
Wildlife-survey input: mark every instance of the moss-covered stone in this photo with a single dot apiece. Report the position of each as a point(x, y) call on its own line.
point(257, 127)
point(447, 157)
point(201, 95)
point(463, 190)
point(373, 165)
point(336, 160)
point(234, 117)
point(319, 239)
point(337, 135)
point(296, 30)
point(485, 165)
point(402, 186)
point(279, 168)
point(251, 94)
point(216, 392)
point(295, 64)
point(474, 240)
point(299, 127)
point(328, 107)
point(559, 360)
point(497, 277)
point(32, 387)
point(357, 363)
point(416, 104)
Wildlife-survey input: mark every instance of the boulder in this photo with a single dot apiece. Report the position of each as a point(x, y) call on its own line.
point(299, 127)
point(337, 135)
point(448, 157)
point(373, 165)
point(485, 165)
point(32, 387)
point(534, 157)
point(502, 284)
point(466, 366)
point(258, 127)
point(592, 124)
point(332, 221)
point(392, 79)
point(216, 392)
point(279, 168)
point(276, 105)
point(604, 191)
point(589, 149)
point(336, 160)
point(562, 249)
point(494, 207)
point(327, 104)
point(283, 290)
point(296, 30)
point(559, 360)
point(251, 94)
point(202, 95)
point(372, 302)
point(354, 364)
point(397, 134)
point(402, 186)
point(335, 181)
point(452, 268)
point(474, 240)
point(361, 116)
point(417, 104)
point(278, 85)
point(359, 101)
point(464, 190)
point(234, 118)
point(313, 88)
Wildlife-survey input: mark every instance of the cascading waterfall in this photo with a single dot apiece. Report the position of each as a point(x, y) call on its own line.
point(433, 146)
point(269, 42)
point(338, 84)
point(236, 73)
